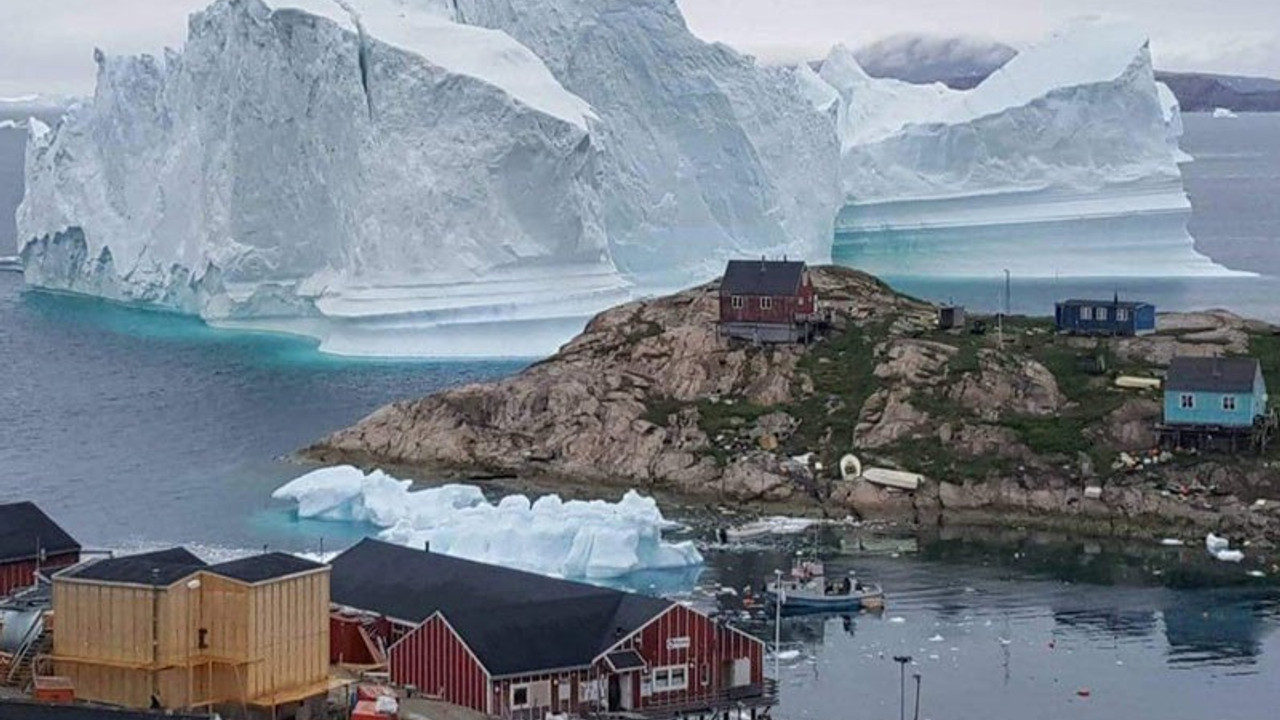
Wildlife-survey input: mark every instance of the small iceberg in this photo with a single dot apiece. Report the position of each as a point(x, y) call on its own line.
point(574, 539)
point(1172, 542)
point(766, 526)
point(1224, 113)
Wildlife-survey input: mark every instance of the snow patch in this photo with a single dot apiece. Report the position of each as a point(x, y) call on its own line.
point(574, 539)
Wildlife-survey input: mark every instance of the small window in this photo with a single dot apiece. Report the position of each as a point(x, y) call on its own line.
point(1086, 313)
point(706, 674)
point(519, 696)
point(670, 679)
point(1122, 315)
point(1101, 313)
point(1229, 402)
point(1187, 402)
point(737, 302)
point(766, 303)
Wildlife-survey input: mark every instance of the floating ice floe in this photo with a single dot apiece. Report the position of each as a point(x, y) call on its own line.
point(1172, 542)
point(575, 539)
point(1220, 548)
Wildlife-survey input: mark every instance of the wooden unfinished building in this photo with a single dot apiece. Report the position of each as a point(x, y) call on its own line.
point(163, 629)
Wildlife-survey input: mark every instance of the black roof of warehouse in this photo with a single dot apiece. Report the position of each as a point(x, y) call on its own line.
point(165, 567)
point(762, 277)
point(1211, 374)
point(25, 532)
point(514, 621)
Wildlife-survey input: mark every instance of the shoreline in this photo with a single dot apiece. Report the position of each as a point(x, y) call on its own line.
point(1005, 428)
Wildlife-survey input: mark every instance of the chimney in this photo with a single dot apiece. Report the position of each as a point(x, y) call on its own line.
point(426, 546)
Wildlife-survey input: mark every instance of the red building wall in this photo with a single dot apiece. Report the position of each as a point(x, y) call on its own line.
point(434, 659)
point(711, 650)
point(784, 310)
point(16, 575)
point(349, 645)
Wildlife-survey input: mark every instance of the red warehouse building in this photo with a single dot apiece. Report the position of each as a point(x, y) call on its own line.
point(31, 542)
point(513, 644)
point(767, 301)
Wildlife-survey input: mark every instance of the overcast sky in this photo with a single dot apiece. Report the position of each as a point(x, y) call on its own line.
point(47, 45)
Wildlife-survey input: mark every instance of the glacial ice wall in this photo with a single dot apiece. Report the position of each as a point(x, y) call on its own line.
point(574, 539)
point(291, 170)
point(707, 155)
point(1063, 163)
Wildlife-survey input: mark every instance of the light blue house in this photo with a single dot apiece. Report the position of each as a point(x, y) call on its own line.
point(1214, 392)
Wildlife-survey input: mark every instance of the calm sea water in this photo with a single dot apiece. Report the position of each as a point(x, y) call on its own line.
point(138, 429)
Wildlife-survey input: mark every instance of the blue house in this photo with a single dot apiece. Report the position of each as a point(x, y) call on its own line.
point(1105, 317)
point(1212, 391)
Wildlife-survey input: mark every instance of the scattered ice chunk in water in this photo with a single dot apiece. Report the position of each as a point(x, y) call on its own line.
point(936, 638)
point(897, 619)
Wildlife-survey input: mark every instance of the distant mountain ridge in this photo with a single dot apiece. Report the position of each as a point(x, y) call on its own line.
point(962, 63)
point(1202, 92)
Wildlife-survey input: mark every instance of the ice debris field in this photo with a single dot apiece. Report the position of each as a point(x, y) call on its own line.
point(574, 539)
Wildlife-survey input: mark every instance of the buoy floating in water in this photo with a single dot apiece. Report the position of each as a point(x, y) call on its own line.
point(1084, 692)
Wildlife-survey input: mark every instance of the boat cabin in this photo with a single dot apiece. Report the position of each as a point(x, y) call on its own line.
point(1105, 317)
point(513, 644)
point(767, 301)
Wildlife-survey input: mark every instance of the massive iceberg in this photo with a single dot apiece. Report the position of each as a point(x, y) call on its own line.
point(1063, 163)
point(383, 180)
point(376, 174)
point(707, 155)
point(575, 539)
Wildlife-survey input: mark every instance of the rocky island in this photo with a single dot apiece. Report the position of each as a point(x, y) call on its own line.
point(1026, 427)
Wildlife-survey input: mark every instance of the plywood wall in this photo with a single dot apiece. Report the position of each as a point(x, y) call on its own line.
point(121, 643)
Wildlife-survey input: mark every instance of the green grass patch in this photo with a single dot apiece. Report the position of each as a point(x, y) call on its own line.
point(1051, 435)
point(842, 371)
point(935, 459)
point(659, 410)
point(716, 418)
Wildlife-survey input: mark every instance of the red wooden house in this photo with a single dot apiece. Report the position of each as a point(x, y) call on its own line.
point(767, 300)
point(30, 542)
point(513, 644)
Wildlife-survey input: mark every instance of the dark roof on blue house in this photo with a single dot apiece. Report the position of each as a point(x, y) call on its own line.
point(1129, 304)
point(762, 277)
point(515, 622)
point(25, 531)
point(1211, 374)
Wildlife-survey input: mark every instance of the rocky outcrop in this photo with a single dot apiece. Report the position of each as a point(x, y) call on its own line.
point(651, 396)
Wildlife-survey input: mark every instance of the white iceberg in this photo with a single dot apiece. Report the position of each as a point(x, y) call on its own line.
point(574, 539)
point(1062, 163)
point(403, 177)
point(386, 180)
point(1224, 113)
point(706, 154)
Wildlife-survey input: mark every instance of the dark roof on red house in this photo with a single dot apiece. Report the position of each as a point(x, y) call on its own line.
point(515, 622)
point(762, 277)
point(25, 532)
point(1211, 374)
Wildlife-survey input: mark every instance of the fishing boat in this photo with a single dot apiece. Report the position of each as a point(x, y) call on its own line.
point(809, 588)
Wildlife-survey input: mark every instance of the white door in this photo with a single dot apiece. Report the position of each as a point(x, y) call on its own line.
point(741, 672)
point(624, 683)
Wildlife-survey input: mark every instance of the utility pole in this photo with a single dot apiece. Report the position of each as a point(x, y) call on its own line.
point(902, 661)
point(778, 598)
point(917, 713)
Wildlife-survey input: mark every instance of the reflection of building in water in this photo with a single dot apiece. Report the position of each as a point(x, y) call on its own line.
point(1111, 622)
point(1204, 630)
